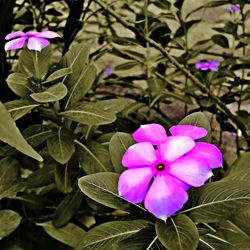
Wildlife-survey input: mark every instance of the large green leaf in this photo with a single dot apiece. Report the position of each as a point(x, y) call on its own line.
point(67, 208)
point(75, 58)
point(213, 243)
point(89, 114)
point(117, 147)
point(218, 201)
point(69, 234)
point(178, 233)
point(51, 94)
point(19, 84)
point(114, 105)
point(82, 85)
point(36, 134)
point(41, 177)
point(35, 63)
point(145, 239)
point(10, 134)
point(102, 188)
point(61, 145)
point(19, 108)
point(58, 75)
point(200, 120)
point(242, 221)
point(9, 221)
point(94, 158)
point(9, 172)
point(107, 234)
point(240, 167)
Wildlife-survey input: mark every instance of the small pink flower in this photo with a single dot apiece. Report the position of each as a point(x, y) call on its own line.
point(36, 40)
point(211, 65)
point(108, 70)
point(232, 8)
point(162, 168)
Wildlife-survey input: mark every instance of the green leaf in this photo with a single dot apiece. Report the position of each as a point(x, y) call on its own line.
point(113, 105)
point(218, 200)
point(9, 133)
point(240, 165)
point(51, 94)
point(9, 221)
point(178, 233)
point(19, 108)
point(242, 221)
point(89, 114)
point(155, 86)
point(19, 84)
point(62, 179)
point(102, 188)
point(200, 120)
point(94, 158)
point(211, 243)
point(41, 177)
point(61, 145)
point(75, 58)
point(70, 234)
point(58, 75)
point(145, 239)
point(126, 65)
point(107, 234)
point(9, 172)
point(36, 134)
point(35, 63)
point(220, 40)
point(82, 85)
point(67, 208)
point(162, 4)
point(118, 145)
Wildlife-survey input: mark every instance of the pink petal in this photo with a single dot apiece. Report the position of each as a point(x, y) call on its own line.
point(175, 147)
point(133, 184)
point(139, 154)
point(193, 171)
point(209, 152)
point(165, 197)
point(15, 44)
point(47, 34)
point(153, 133)
point(37, 43)
point(191, 131)
point(14, 35)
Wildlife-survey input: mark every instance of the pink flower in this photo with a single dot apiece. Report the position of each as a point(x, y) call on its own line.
point(232, 8)
point(212, 65)
point(36, 40)
point(162, 168)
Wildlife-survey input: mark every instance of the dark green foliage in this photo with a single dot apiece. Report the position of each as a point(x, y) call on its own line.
point(68, 112)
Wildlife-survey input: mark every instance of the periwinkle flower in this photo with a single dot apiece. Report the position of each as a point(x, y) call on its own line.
point(36, 40)
point(211, 65)
point(235, 7)
point(162, 168)
point(108, 70)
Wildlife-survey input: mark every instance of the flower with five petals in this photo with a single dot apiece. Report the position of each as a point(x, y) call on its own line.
point(162, 168)
point(36, 40)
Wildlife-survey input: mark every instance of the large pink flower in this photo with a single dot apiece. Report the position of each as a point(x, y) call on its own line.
point(162, 168)
point(36, 40)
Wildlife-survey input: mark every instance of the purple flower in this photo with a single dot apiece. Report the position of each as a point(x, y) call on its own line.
point(232, 8)
point(36, 40)
point(108, 70)
point(162, 168)
point(212, 65)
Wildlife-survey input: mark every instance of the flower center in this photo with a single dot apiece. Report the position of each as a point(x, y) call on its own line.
point(160, 167)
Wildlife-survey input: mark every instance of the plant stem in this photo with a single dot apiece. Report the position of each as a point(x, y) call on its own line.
point(224, 109)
